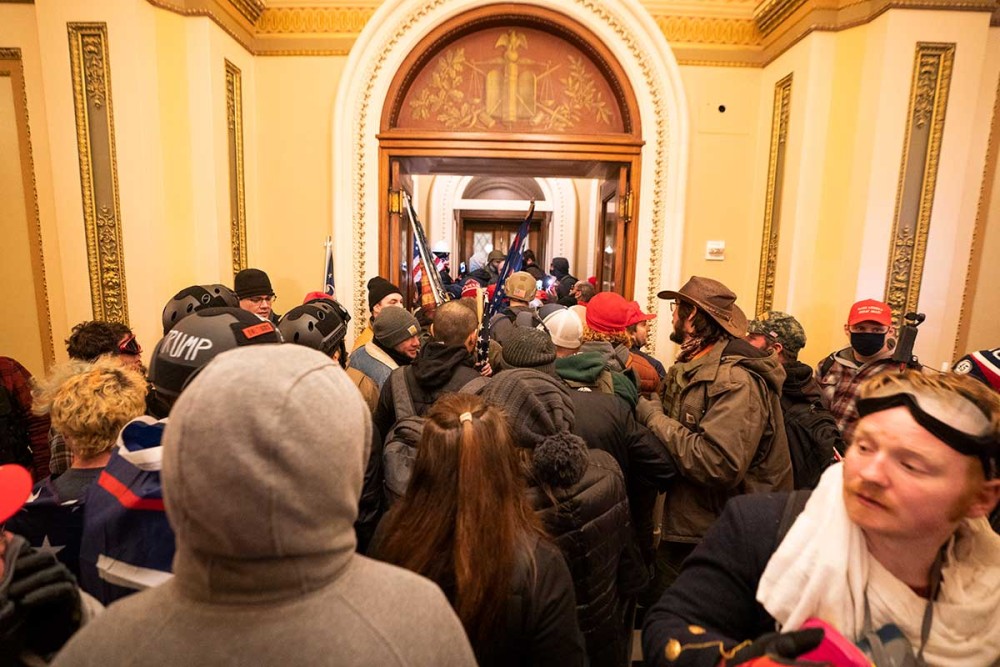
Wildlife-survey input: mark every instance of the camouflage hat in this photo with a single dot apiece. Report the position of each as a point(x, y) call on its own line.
point(781, 328)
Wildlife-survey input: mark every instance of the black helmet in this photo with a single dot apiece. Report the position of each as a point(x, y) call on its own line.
point(194, 298)
point(195, 341)
point(320, 324)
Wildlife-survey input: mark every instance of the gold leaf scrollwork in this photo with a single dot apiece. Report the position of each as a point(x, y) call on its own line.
point(772, 204)
point(93, 62)
point(918, 175)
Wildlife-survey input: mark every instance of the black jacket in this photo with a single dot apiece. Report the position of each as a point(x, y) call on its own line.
point(438, 369)
point(717, 588)
point(589, 522)
point(605, 422)
point(541, 617)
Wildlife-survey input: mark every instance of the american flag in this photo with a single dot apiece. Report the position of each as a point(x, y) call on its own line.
point(515, 256)
point(418, 267)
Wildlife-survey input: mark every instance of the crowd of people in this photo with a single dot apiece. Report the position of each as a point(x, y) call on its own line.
point(524, 487)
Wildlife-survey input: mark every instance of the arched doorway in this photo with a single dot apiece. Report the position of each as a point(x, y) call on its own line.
point(616, 35)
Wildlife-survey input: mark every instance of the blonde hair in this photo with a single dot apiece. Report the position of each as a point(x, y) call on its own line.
point(90, 403)
point(613, 337)
point(941, 383)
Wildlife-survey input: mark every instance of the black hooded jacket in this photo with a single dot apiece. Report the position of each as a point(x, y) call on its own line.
point(437, 370)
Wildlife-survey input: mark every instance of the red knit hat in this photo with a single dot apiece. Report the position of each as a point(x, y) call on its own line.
point(608, 312)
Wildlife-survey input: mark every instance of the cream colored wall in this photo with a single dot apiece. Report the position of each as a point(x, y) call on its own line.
point(984, 302)
point(850, 98)
point(725, 172)
point(20, 336)
point(294, 108)
point(18, 30)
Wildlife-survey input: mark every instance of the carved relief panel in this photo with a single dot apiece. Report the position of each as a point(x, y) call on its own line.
point(512, 80)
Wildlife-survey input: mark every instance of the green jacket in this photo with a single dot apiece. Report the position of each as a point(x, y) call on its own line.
point(728, 437)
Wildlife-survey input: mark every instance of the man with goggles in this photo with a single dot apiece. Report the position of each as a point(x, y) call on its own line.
point(892, 548)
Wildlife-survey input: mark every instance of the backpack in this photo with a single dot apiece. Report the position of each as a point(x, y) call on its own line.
point(15, 443)
point(400, 450)
point(813, 440)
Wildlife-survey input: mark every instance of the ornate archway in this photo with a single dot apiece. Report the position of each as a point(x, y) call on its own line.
point(617, 35)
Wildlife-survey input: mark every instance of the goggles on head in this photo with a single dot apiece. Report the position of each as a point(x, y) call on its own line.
point(129, 346)
point(950, 417)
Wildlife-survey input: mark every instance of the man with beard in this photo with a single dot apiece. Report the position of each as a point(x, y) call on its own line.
point(813, 437)
point(841, 374)
point(718, 415)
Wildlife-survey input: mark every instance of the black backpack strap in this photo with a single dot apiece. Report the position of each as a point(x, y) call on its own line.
point(794, 505)
point(401, 397)
point(826, 365)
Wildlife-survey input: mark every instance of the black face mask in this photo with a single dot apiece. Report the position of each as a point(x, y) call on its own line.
point(867, 344)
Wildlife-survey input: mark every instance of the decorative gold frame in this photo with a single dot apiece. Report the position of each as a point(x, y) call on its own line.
point(12, 66)
point(95, 134)
point(932, 70)
point(772, 202)
point(976, 248)
point(237, 187)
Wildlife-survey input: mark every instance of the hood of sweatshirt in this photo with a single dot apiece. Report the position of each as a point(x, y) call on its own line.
point(436, 363)
point(765, 364)
point(263, 462)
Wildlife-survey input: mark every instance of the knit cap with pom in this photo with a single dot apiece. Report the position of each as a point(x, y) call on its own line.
point(540, 414)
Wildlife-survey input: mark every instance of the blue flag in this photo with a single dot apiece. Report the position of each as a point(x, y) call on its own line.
point(512, 263)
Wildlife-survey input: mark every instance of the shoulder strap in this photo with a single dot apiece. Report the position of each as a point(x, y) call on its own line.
point(826, 364)
point(794, 505)
point(474, 385)
point(401, 397)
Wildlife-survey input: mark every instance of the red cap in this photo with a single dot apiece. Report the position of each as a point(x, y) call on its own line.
point(15, 487)
point(312, 296)
point(635, 314)
point(608, 312)
point(592, 280)
point(870, 310)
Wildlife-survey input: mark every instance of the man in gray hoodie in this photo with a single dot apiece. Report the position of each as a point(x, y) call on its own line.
point(263, 464)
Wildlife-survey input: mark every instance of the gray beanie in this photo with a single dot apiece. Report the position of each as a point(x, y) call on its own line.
point(541, 416)
point(394, 325)
point(528, 348)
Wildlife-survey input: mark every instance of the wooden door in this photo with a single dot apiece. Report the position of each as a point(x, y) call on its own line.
point(611, 244)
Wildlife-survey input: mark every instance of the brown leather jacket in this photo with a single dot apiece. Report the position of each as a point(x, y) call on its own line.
point(728, 438)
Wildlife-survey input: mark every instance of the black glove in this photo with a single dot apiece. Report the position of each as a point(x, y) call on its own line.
point(45, 595)
point(779, 645)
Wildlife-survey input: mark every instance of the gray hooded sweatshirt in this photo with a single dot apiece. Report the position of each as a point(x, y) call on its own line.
point(263, 466)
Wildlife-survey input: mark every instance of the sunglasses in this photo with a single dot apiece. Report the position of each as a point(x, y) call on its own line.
point(130, 346)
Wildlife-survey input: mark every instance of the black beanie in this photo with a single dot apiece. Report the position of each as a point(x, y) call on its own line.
point(252, 282)
point(541, 416)
point(378, 289)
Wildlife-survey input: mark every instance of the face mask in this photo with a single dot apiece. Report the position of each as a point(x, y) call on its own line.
point(867, 344)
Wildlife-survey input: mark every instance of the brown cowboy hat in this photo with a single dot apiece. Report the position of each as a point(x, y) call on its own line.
point(717, 300)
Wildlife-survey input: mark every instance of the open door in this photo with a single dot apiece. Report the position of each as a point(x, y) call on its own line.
point(611, 244)
point(398, 234)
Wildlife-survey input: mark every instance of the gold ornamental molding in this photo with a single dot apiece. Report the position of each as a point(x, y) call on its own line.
point(979, 231)
point(932, 70)
point(237, 188)
point(12, 67)
point(95, 135)
point(772, 203)
point(731, 33)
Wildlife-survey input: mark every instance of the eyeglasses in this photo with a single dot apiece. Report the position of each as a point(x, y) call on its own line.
point(673, 306)
point(129, 345)
point(257, 300)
